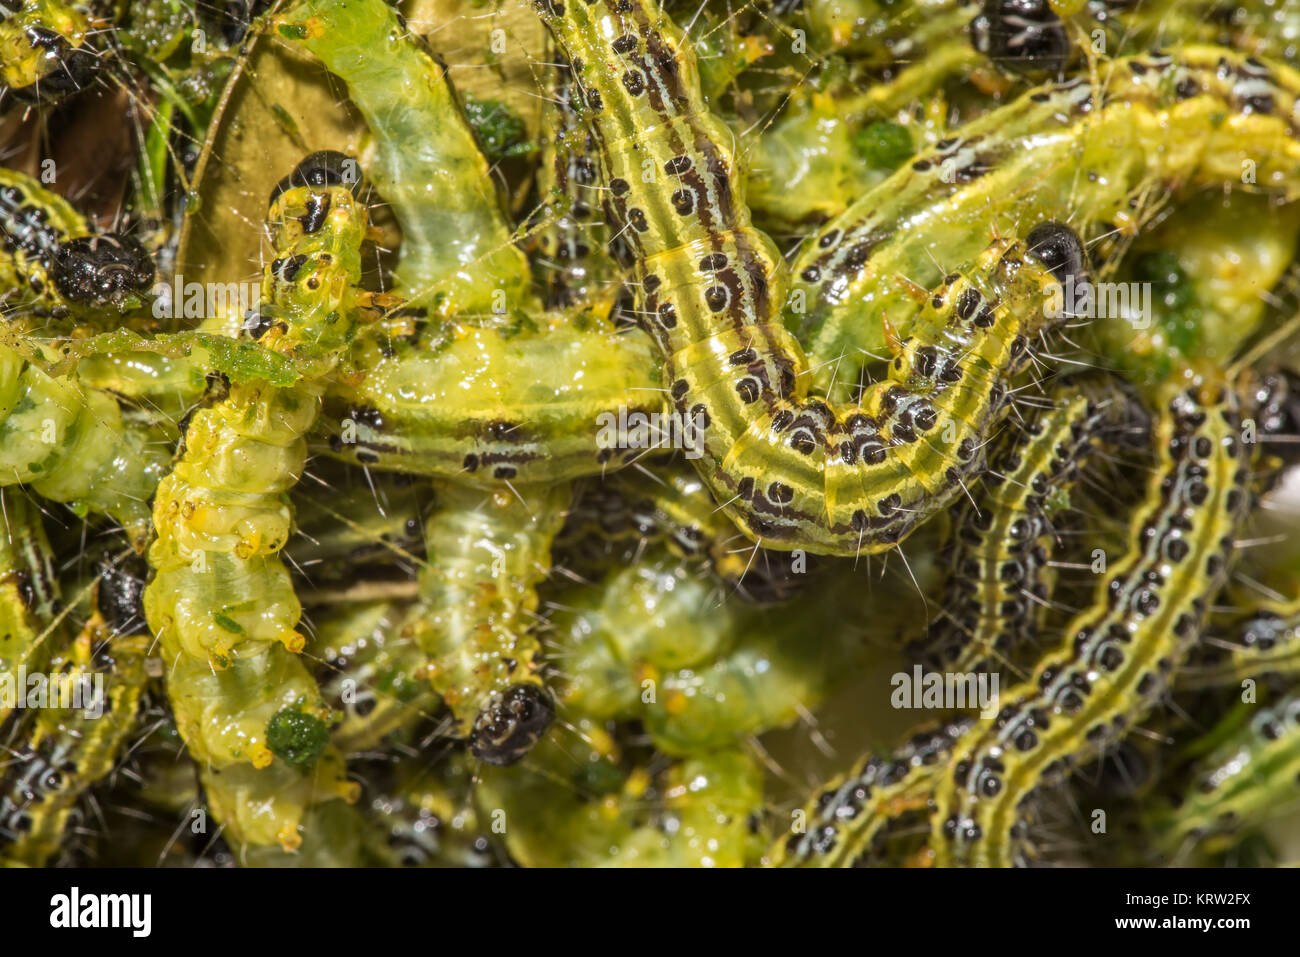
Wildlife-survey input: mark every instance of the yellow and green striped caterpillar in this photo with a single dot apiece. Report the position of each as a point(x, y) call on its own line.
point(29, 595)
point(1246, 779)
point(1000, 581)
point(794, 471)
point(1117, 656)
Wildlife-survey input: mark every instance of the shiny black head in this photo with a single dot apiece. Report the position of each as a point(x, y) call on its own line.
point(1023, 36)
point(1059, 248)
point(68, 69)
point(101, 269)
point(322, 168)
point(511, 724)
point(121, 595)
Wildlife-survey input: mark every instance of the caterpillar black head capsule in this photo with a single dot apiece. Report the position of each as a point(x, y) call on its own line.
point(1059, 248)
point(511, 724)
point(120, 598)
point(322, 168)
point(65, 70)
point(1023, 36)
point(101, 269)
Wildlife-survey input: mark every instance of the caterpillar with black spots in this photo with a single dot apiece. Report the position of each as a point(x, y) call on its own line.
point(1119, 654)
point(1000, 580)
point(1071, 151)
point(29, 595)
point(46, 52)
point(1247, 778)
point(793, 471)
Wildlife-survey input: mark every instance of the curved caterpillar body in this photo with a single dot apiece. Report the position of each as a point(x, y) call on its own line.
point(487, 552)
point(221, 601)
point(457, 251)
point(851, 820)
point(45, 53)
point(1066, 151)
point(794, 471)
point(1000, 581)
point(70, 748)
point(1246, 779)
point(1118, 655)
point(29, 594)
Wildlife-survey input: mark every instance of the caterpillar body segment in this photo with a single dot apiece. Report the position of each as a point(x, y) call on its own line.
point(1264, 641)
point(1245, 780)
point(549, 399)
point(1000, 579)
point(1119, 654)
point(487, 553)
point(66, 749)
point(457, 250)
point(850, 821)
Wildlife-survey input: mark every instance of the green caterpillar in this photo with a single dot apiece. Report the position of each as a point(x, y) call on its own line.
point(29, 595)
point(487, 552)
point(793, 471)
point(1066, 151)
point(1118, 654)
point(45, 50)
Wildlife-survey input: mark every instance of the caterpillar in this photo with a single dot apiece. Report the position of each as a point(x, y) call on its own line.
point(221, 602)
point(999, 584)
point(457, 250)
point(1119, 653)
point(67, 749)
point(852, 820)
point(52, 258)
point(1003, 170)
point(1265, 641)
point(487, 551)
point(29, 595)
point(1245, 779)
point(45, 50)
point(836, 481)
point(652, 642)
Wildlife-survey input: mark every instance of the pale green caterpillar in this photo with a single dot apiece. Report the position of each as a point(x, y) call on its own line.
point(487, 553)
point(458, 255)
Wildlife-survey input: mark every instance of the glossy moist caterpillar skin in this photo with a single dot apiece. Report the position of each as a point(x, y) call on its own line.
point(1118, 655)
point(794, 472)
